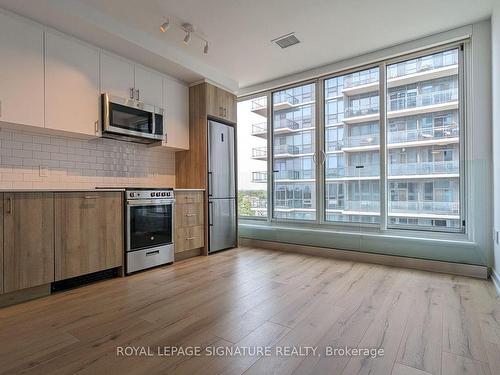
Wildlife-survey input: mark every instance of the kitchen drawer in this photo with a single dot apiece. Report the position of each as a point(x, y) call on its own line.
point(189, 238)
point(189, 215)
point(183, 197)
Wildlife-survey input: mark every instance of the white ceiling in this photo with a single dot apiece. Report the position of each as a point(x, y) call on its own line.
point(240, 31)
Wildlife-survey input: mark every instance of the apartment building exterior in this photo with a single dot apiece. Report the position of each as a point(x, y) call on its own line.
point(422, 140)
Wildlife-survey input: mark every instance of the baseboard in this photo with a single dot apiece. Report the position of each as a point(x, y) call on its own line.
point(188, 254)
point(470, 270)
point(24, 295)
point(495, 277)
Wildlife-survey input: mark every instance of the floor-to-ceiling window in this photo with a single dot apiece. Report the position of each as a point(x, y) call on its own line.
point(294, 153)
point(420, 185)
point(352, 141)
point(252, 157)
point(423, 141)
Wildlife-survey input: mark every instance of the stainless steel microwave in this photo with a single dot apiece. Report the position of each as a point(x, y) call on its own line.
point(130, 120)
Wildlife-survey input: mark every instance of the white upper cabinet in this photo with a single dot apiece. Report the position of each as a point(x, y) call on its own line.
point(117, 76)
point(21, 72)
point(148, 86)
point(71, 85)
point(176, 119)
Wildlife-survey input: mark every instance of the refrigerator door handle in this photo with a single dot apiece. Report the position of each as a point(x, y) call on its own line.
point(210, 184)
point(210, 214)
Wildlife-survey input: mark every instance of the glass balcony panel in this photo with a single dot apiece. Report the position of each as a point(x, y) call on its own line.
point(426, 134)
point(421, 100)
point(424, 168)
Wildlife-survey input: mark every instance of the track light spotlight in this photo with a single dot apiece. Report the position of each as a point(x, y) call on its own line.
point(187, 38)
point(164, 26)
point(205, 49)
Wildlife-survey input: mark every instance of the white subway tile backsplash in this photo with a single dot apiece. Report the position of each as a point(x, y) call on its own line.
point(76, 163)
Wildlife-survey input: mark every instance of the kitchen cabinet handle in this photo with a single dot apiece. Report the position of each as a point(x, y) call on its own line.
point(137, 94)
point(9, 205)
point(0, 108)
point(157, 252)
point(91, 196)
point(188, 215)
point(96, 126)
point(190, 238)
point(189, 199)
point(225, 112)
point(131, 93)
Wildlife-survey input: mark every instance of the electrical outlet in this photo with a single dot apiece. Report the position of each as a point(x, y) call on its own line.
point(44, 171)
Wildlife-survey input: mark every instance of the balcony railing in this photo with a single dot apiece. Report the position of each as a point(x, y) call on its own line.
point(356, 80)
point(362, 205)
point(258, 203)
point(259, 103)
point(286, 123)
point(260, 176)
point(291, 149)
point(259, 128)
point(279, 150)
point(284, 97)
point(335, 118)
point(294, 174)
point(419, 65)
point(334, 145)
point(368, 170)
point(362, 140)
point(424, 168)
point(259, 152)
point(360, 111)
point(293, 203)
point(438, 208)
point(421, 100)
point(441, 132)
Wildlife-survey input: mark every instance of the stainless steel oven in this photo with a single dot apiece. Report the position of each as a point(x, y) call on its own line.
point(130, 120)
point(149, 228)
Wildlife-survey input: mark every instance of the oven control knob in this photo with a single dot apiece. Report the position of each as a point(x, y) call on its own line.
point(157, 194)
point(152, 194)
point(132, 195)
point(163, 194)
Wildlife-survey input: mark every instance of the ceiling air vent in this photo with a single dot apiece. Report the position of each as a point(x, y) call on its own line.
point(286, 41)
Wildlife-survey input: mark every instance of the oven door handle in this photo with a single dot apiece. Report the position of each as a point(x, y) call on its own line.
point(151, 202)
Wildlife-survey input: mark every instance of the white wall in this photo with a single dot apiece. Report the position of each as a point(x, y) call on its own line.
point(80, 164)
point(495, 53)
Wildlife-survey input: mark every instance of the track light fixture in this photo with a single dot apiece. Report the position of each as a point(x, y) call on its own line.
point(187, 38)
point(164, 26)
point(188, 29)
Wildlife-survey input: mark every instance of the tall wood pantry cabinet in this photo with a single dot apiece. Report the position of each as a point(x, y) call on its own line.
point(206, 102)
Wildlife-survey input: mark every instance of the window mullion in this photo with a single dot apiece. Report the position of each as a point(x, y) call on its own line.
point(383, 148)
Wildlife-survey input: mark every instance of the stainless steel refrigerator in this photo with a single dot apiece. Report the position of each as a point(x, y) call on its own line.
point(221, 187)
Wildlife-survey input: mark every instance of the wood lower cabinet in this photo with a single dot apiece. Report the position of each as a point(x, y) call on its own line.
point(188, 238)
point(189, 220)
point(89, 232)
point(28, 220)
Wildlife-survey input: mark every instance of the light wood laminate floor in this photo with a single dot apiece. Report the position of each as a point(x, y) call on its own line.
point(426, 323)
